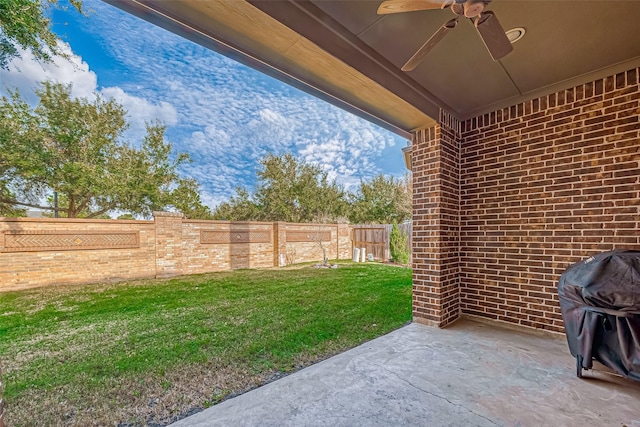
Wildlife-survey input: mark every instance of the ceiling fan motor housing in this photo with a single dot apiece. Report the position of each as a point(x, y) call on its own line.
point(473, 8)
point(485, 21)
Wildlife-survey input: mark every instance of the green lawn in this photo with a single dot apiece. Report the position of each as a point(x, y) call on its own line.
point(150, 351)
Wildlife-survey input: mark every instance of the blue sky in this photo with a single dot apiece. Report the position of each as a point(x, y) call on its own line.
point(224, 114)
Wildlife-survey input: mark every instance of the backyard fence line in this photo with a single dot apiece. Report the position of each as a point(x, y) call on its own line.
point(47, 251)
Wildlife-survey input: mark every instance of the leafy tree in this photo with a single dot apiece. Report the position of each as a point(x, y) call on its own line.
point(186, 199)
point(75, 147)
point(398, 244)
point(405, 202)
point(9, 210)
point(61, 206)
point(23, 24)
point(287, 190)
point(239, 208)
point(382, 200)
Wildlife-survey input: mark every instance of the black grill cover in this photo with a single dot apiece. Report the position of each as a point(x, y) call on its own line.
point(600, 303)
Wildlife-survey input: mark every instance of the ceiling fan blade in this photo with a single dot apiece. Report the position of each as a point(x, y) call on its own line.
point(399, 6)
point(429, 44)
point(493, 35)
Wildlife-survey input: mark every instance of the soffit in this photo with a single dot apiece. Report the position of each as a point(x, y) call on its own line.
point(239, 30)
point(342, 51)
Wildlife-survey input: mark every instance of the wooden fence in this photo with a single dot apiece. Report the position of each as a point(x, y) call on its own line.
point(375, 238)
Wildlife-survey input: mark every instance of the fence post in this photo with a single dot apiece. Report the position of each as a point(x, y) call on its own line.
point(279, 244)
point(168, 243)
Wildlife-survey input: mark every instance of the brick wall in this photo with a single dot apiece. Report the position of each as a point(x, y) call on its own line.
point(542, 185)
point(40, 252)
point(221, 245)
point(304, 242)
point(168, 256)
point(545, 184)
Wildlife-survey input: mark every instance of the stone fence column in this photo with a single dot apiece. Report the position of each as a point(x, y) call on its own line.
point(344, 243)
point(279, 244)
point(168, 243)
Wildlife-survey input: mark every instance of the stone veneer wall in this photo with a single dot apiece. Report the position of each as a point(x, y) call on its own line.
point(40, 252)
point(542, 184)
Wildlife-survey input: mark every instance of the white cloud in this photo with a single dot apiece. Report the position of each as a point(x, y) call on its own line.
point(25, 72)
point(140, 111)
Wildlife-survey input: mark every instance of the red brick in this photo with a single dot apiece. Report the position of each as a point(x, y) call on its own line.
point(530, 206)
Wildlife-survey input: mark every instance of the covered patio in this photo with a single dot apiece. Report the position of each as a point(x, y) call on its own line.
point(469, 374)
point(521, 166)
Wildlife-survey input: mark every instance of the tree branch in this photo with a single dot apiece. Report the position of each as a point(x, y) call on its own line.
point(84, 203)
point(29, 205)
point(101, 211)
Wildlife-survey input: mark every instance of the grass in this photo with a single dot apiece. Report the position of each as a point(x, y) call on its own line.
point(152, 351)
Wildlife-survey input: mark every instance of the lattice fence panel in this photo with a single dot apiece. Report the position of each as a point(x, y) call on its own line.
point(226, 237)
point(34, 241)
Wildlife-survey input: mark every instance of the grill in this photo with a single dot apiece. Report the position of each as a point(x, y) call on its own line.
point(600, 303)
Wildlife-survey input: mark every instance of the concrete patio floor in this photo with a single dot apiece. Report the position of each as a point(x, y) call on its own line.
point(469, 374)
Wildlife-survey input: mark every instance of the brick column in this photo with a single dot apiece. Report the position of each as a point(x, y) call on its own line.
point(344, 244)
point(168, 243)
point(279, 242)
point(436, 228)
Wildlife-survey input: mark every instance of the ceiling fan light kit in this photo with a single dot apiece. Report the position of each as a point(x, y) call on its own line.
point(491, 32)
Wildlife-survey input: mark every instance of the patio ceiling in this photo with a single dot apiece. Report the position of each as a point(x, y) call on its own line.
point(343, 52)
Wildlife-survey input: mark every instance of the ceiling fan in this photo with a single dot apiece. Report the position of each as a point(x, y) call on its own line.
point(485, 21)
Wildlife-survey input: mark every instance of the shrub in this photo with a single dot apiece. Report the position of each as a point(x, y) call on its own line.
point(398, 245)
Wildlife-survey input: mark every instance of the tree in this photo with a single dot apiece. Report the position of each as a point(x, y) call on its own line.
point(186, 199)
point(239, 208)
point(287, 190)
point(60, 206)
point(75, 147)
point(398, 244)
point(9, 210)
point(23, 24)
point(405, 203)
point(382, 200)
